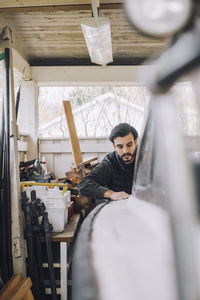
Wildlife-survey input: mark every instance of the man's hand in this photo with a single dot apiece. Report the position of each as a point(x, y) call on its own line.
point(115, 195)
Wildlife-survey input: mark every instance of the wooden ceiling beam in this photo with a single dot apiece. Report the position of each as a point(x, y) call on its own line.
point(36, 3)
point(59, 8)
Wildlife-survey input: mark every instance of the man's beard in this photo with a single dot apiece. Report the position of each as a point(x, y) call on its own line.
point(127, 155)
point(132, 156)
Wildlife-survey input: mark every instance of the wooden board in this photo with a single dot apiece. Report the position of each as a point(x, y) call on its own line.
point(17, 288)
point(86, 162)
point(72, 133)
point(30, 3)
point(69, 232)
point(9, 286)
point(53, 35)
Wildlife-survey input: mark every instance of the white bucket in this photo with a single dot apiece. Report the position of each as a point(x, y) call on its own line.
point(57, 218)
point(56, 204)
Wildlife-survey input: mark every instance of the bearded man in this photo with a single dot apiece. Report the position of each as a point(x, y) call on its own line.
point(113, 177)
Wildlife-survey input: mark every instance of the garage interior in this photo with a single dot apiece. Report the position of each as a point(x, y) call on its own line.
point(48, 54)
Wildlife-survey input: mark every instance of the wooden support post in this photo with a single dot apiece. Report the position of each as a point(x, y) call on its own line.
point(72, 133)
point(18, 242)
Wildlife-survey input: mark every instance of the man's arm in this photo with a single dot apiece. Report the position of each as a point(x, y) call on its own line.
point(94, 185)
point(115, 195)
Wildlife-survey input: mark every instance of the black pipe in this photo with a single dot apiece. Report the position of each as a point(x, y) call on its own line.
point(18, 97)
point(2, 211)
point(36, 283)
point(6, 250)
point(26, 206)
point(7, 162)
point(38, 209)
point(47, 228)
point(2, 143)
point(4, 253)
point(39, 264)
point(29, 239)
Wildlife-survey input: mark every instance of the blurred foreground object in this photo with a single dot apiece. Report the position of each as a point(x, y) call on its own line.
point(159, 17)
point(131, 249)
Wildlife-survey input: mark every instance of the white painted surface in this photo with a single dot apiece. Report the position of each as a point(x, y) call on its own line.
point(87, 146)
point(58, 152)
point(28, 116)
point(21, 65)
point(22, 146)
point(132, 252)
point(92, 75)
point(63, 276)
point(84, 75)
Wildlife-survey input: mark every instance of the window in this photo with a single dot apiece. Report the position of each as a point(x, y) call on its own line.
point(95, 109)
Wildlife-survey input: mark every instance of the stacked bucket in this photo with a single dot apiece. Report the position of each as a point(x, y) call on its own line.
point(56, 204)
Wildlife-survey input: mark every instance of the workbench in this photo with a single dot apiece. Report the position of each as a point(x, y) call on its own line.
point(65, 237)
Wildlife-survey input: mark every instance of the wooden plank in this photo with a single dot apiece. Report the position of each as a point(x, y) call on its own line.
point(72, 132)
point(53, 8)
point(69, 232)
point(87, 161)
point(31, 3)
point(22, 291)
point(97, 3)
point(10, 285)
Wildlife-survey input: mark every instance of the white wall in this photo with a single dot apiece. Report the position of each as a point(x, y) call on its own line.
point(58, 152)
point(28, 116)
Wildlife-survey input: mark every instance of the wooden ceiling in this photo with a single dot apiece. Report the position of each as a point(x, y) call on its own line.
point(48, 32)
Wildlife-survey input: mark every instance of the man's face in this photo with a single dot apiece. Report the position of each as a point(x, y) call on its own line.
point(125, 147)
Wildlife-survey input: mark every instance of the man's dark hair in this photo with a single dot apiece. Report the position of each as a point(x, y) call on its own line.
point(122, 130)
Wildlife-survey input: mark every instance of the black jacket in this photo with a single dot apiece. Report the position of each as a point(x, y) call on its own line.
point(111, 174)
